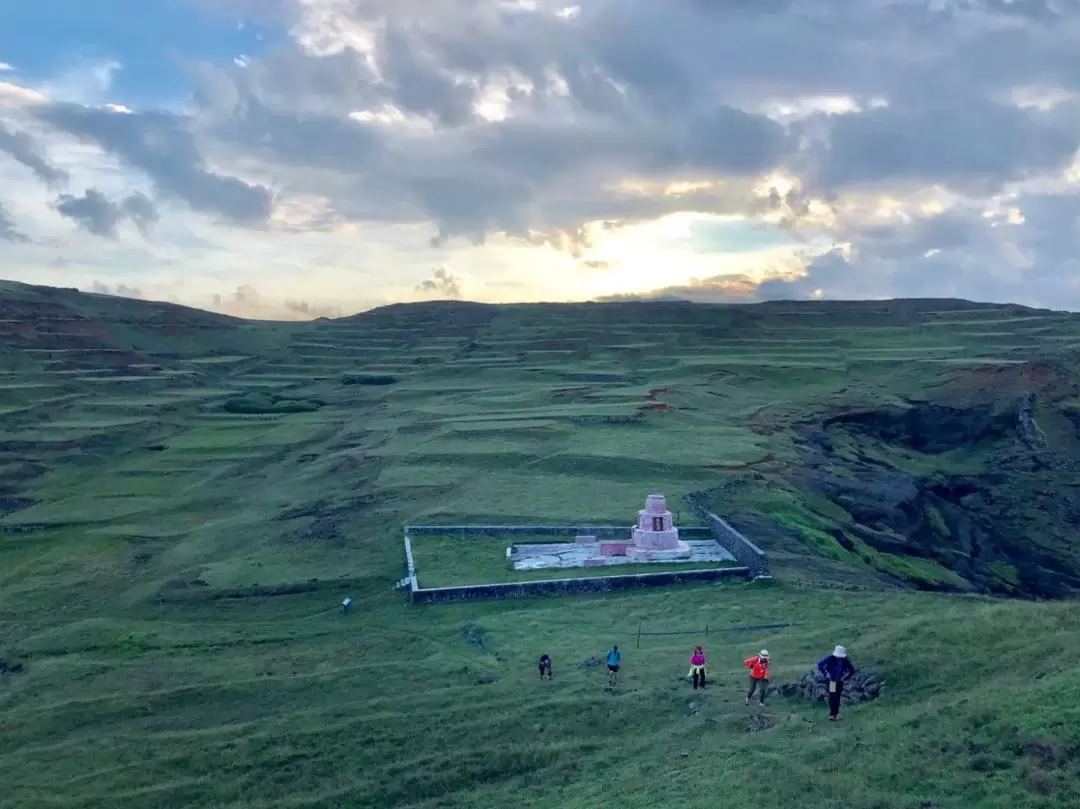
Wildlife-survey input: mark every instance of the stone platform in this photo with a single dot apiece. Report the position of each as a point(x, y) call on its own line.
point(544, 556)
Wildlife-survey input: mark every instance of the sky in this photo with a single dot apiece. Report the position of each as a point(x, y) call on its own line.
point(292, 159)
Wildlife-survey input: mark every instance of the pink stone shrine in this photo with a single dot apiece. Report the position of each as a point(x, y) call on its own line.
point(654, 538)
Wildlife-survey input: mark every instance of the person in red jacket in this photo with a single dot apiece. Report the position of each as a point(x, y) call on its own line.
point(759, 675)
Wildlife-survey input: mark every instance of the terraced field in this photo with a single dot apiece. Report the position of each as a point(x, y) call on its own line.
point(187, 498)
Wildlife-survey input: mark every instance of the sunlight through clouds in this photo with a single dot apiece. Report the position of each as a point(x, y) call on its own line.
point(339, 152)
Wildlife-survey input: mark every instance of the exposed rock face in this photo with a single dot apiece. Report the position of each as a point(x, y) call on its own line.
point(863, 686)
point(928, 428)
point(1007, 526)
point(1028, 431)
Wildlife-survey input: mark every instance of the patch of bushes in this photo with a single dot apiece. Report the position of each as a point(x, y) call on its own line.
point(261, 403)
point(368, 379)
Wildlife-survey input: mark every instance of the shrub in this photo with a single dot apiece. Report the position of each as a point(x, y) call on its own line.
point(368, 379)
point(261, 403)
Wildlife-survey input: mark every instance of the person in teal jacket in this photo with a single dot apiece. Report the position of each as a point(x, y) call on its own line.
point(614, 659)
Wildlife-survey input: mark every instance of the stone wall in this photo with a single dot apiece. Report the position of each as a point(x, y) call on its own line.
point(692, 532)
point(741, 548)
point(549, 587)
point(410, 567)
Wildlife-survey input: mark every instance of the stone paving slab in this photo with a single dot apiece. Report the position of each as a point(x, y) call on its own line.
point(542, 556)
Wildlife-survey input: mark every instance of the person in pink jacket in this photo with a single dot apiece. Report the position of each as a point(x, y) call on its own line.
point(698, 664)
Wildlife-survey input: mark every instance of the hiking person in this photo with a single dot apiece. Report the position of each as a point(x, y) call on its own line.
point(698, 664)
point(544, 665)
point(836, 668)
point(614, 658)
point(759, 675)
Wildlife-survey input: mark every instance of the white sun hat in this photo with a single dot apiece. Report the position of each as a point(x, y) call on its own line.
point(764, 653)
point(839, 651)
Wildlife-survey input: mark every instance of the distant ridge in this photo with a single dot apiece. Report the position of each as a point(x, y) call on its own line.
point(15, 292)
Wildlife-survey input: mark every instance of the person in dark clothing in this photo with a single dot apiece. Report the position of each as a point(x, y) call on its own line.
point(837, 668)
point(545, 667)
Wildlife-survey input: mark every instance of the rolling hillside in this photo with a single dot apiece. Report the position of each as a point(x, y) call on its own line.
point(187, 497)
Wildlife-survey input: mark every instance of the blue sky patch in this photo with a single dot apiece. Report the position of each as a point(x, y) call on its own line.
point(42, 39)
point(735, 237)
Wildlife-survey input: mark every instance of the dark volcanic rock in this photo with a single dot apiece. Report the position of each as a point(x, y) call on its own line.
point(928, 428)
point(1008, 526)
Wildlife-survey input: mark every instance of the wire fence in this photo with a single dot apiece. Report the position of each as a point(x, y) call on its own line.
point(641, 633)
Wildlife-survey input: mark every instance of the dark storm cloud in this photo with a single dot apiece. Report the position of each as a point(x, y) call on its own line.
point(968, 143)
point(161, 145)
point(99, 215)
point(22, 148)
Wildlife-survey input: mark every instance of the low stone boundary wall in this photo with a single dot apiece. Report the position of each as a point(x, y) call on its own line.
point(752, 561)
point(741, 548)
point(550, 587)
point(410, 568)
point(692, 532)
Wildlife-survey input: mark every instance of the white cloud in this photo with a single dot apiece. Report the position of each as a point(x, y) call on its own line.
point(565, 151)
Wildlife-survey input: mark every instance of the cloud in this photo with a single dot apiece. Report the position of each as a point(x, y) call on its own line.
point(971, 144)
point(99, 215)
point(302, 307)
point(141, 210)
point(120, 290)
point(442, 283)
point(728, 288)
point(247, 301)
point(22, 148)
point(1025, 254)
point(161, 145)
point(527, 121)
point(8, 231)
point(529, 144)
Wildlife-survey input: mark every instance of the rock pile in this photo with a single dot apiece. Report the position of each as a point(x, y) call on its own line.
point(474, 636)
point(863, 686)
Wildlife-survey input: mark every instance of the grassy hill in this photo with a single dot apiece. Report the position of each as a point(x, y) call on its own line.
point(185, 498)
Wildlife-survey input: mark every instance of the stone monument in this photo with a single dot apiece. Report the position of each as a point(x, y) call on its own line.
point(653, 539)
point(655, 536)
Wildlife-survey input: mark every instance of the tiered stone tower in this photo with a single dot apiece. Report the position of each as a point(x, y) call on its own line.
point(655, 537)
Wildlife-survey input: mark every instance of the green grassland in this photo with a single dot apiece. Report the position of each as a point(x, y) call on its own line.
point(171, 570)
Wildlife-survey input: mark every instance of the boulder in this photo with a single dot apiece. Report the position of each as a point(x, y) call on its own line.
point(863, 686)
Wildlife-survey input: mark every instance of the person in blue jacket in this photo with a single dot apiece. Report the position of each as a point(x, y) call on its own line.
point(614, 657)
point(836, 668)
